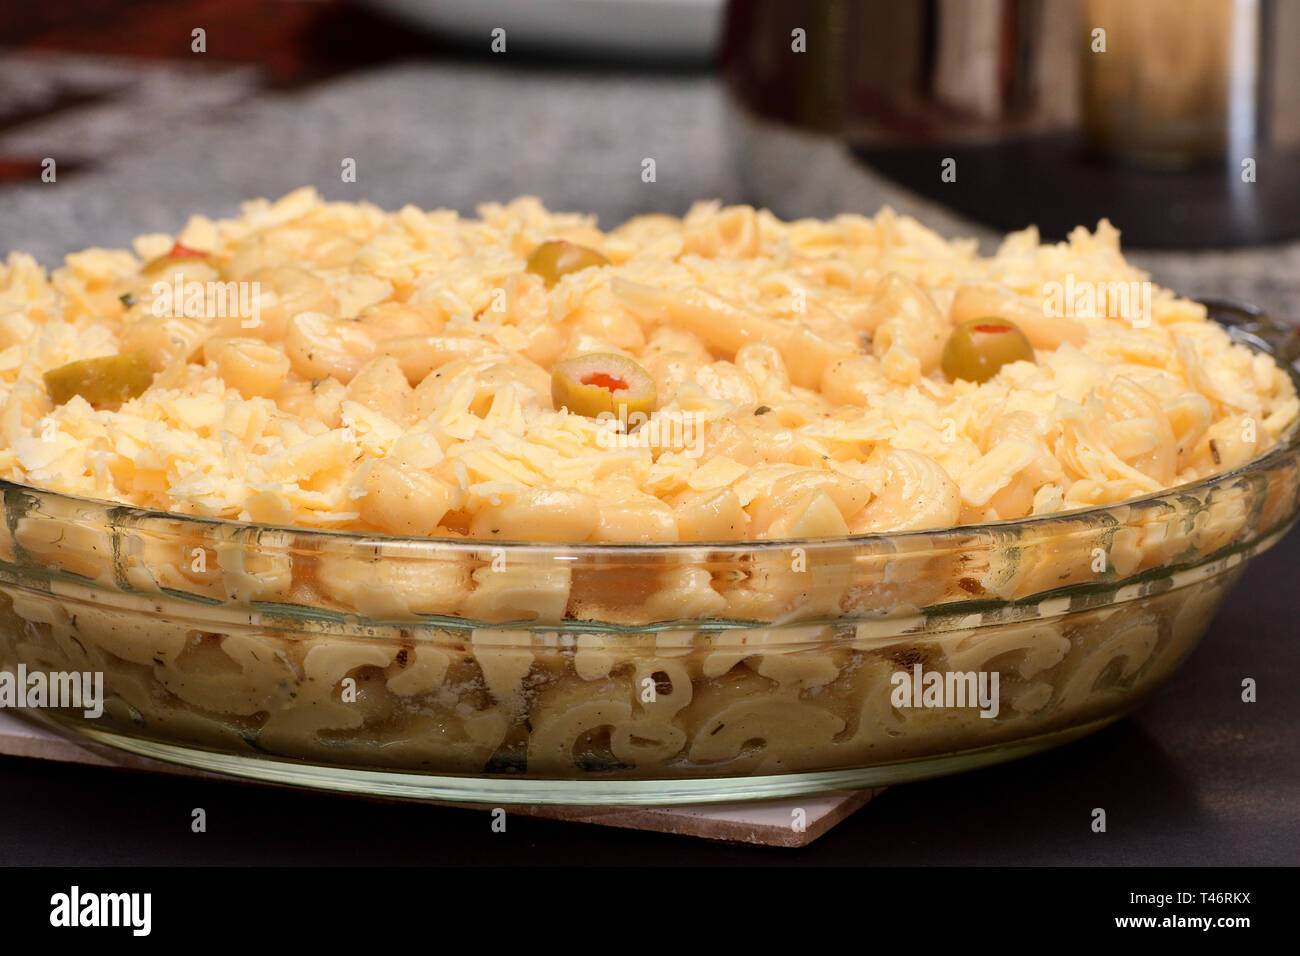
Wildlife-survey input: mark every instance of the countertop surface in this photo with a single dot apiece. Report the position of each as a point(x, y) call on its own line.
point(1195, 777)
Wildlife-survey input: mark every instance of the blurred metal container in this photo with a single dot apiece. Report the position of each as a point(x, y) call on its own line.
point(1185, 81)
point(907, 70)
point(1041, 98)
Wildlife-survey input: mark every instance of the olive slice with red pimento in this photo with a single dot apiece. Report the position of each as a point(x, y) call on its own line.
point(176, 257)
point(603, 383)
point(977, 349)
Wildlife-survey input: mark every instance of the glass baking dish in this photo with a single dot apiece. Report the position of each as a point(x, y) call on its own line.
point(590, 674)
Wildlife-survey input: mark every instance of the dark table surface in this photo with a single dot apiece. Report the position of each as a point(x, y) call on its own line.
point(1196, 777)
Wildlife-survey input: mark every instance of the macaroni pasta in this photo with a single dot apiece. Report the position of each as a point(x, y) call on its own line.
point(395, 376)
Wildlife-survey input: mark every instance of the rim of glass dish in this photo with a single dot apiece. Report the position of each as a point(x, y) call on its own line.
point(138, 518)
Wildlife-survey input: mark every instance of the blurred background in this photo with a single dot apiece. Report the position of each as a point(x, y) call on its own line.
point(1177, 119)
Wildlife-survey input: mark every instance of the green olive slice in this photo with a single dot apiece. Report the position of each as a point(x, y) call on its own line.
point(977, 349)
point(559, 257)
point(101, 381)
point(603, 383)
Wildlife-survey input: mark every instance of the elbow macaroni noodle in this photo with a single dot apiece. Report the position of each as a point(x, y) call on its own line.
point(393, 378)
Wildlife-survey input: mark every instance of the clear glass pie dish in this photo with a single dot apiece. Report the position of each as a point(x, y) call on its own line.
point(535, 673)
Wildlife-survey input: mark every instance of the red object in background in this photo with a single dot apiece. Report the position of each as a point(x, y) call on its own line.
point(291, 42)
point(12, 168)
point(294, 41)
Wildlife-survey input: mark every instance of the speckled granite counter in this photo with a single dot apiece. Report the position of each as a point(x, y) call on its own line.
point(456, 134)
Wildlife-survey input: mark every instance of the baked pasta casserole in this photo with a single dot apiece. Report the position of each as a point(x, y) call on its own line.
point(561, 501)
